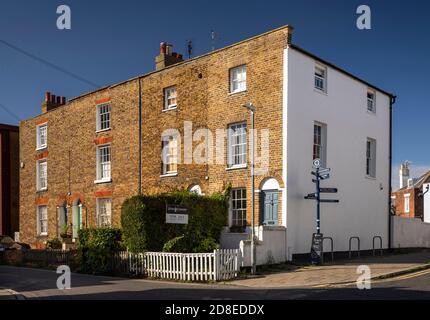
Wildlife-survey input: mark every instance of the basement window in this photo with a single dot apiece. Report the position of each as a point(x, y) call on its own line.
point(170, 101)
point(103, 117)
point(42, 136)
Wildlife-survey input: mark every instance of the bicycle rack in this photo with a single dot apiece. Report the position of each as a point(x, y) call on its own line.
point(331, 246)
point(380, 242)
point(358, 244)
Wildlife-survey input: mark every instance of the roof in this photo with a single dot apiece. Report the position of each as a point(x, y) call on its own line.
point(8, 127)
point(311, 55)
point(418, 182)
point(227, 47)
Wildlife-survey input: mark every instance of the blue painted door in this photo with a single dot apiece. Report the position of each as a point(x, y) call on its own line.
point(270, 207)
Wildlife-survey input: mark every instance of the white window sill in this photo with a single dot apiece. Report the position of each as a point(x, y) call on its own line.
point(371, 112)
point(42, 189)
point(320, 91)
point(44, 234)
point(370, 177)
point(103, 130)
point(171, 174)
point(41, 148)
point(236, 92)
point(237, 167)
point(103, 181)
point(170, 108)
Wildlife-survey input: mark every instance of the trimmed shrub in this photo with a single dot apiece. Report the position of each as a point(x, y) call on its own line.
point(95, 249)
point(53, 244)
point(143, 220)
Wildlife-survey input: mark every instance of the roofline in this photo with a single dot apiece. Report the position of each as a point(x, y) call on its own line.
point(9, 127)
point(311, 55)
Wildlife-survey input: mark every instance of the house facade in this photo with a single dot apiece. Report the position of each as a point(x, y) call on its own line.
point(9, 179)
point(184, 126)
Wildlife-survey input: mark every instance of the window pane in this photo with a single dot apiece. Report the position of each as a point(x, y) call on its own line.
point(237, 147)
point(238, 79)
point(239, 207)
point(104, 162)
point(104, 117)
point(104, 212)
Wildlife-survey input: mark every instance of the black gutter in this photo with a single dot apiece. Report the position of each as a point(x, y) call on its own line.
point(139, 188)
point(392, 101)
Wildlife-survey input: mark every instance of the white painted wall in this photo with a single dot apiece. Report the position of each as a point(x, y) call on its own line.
point(231, 240)
point(426, 202)
point(410, 233)
point(363, 207)
point(270, 247)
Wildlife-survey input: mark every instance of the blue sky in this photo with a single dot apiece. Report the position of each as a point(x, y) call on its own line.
point(111, 41)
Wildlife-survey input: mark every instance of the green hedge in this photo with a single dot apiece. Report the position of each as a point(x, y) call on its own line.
point(95, 248)
point(143, 220)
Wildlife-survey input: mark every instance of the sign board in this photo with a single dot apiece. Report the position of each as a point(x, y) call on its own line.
point(316, 163)
point(317, 248)
point(329, 201)
point(328, 190)
point(311, 196)
point(176, 214)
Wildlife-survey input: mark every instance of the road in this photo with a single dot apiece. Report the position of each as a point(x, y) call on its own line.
point(41, 284)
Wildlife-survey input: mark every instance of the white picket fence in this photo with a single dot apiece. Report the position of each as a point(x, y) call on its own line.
point(215, 266)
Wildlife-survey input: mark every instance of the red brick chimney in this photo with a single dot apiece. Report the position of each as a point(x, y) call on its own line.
point(51, 102)
point(166, 56)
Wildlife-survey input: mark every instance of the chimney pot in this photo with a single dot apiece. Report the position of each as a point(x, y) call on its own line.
point(63, 100)
point(163, 46)
point(47, 96)
point(58, 100)
point(53, 98)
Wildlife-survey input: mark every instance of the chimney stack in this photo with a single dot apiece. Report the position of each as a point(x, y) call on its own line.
point(166, 56)
point(51, 102)
point(404, 174)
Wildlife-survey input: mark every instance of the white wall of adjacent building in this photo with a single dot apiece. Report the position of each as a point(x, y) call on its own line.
point(363, 207)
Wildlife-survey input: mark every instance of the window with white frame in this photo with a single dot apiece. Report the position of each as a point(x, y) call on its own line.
point(371, 157)
point(42, 175)
point(42, 220)
point(42, 136)
point(320, 78)
point(104, 212)
point(238, 207)
point(103, 117)
point(104, 163)
point(170, 155)
point(238, 79)
point(320, 143)
point(237, 145)
point(407, 199)
point(170, 95)
point(371, 106)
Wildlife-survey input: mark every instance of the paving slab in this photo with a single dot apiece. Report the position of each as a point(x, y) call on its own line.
point(338, 272)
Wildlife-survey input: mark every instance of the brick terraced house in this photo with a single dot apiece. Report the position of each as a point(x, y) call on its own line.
point(83, 158)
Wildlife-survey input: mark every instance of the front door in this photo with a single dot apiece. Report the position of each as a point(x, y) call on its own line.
point(269, 206)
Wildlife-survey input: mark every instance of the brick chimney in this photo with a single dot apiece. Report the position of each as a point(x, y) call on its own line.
point(51, 102)
point(166, 56)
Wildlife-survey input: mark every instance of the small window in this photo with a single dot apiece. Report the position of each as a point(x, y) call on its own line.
point(371, 157)
point(237, 145)
point(320, 78)
point(238, 209)
point(238, 79)
point(104, 163)
point(42, 136)
point(170, 155)
point(42, 175)
point(407, 203)
point(103, 117)
point(42, 220)
point(320, 143)
point(371, 106)
point(170, 101)
point(104, 212)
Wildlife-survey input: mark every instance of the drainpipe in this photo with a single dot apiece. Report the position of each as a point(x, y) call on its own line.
point(139, 188)
point(392, 102)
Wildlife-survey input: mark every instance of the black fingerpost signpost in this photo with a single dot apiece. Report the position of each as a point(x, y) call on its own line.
point(317, 238)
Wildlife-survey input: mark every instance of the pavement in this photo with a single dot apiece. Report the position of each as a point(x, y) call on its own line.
point(315, 283)
point(339, 272)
